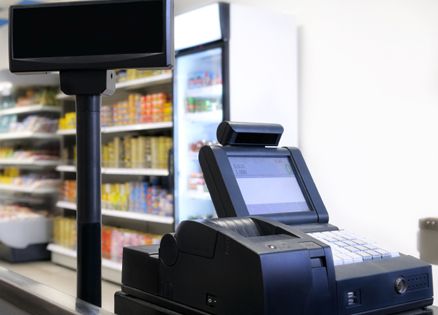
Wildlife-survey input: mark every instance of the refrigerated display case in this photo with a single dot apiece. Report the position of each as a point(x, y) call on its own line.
point(199, 108)
point(227, 70)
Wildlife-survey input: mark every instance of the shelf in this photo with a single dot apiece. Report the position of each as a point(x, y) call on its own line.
point(199, 195)
point(121, 129)
point(30, 109)
point(138, 127)
point(207, 91)
point(27, 189)
point(123, 214)
point(61, 255)
point(66, 168)
point(133, 84)
point(66, 132)
point(29, 163)
point(215, 116)
point(28, 135)
point(120, 171)
point(145, 82)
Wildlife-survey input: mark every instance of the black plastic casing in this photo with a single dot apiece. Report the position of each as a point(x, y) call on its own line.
point(236, 266)
point(163, 59)
point(226, 195)
point(249, 134)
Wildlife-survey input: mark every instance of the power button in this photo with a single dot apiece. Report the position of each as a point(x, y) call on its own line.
point(400, 285)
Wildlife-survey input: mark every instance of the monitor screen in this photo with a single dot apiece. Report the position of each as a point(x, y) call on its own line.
point(268, 185)
point(133, 27)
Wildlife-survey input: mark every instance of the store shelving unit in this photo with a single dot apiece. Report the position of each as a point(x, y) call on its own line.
point(30, 109)
point(124, 128)
point(119, 171)
point(123, 214)
point(145, 222)
point(29, 163)
point(20, 145)
point(28, 190)
point(22, 135)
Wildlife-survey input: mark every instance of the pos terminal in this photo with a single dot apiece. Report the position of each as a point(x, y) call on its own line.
point(272, 251)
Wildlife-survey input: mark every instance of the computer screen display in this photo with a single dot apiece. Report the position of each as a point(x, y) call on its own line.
point(268, 185)
point(133, 27)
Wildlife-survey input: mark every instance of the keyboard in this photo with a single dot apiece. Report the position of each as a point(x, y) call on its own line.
point(347, 248)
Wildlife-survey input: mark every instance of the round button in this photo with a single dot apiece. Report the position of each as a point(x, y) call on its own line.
point(272, 246)
point(400, 285)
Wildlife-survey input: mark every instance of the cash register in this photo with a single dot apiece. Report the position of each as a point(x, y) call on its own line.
point(272, 250)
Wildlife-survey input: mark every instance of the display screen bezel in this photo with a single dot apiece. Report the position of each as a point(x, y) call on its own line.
point(226, 194)
point(163, 59)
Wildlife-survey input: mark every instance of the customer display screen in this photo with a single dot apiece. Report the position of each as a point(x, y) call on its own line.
point(268, 185)
point(134, 27)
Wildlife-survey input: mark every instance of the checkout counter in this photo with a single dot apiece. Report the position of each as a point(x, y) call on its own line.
point(22, 296)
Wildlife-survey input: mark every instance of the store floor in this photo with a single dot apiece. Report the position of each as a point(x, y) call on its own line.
point(61, 279)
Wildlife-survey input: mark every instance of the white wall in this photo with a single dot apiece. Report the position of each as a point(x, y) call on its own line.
point(368, 89)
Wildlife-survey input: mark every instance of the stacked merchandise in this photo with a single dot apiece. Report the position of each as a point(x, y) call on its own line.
point(140, 197)
point(133, 74)
point(203, 104)
point(31, 123)
point(68, 122)
point(9, 153)
point(16, 212)
point(27, 97)
point(14, 177)
point(138, 109)
point(137, 152)
point(200, 79)
point(113, 239)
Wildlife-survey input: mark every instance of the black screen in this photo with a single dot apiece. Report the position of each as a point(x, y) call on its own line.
point(134, 27)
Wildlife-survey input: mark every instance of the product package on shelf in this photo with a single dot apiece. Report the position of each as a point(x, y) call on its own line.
point(10, 153)
point(23, 97)
point(33, 123)
point(113, 239)
point(137, 152)
point(24, 234)
point(32, 181)
point(137, 109)
point(139, 197)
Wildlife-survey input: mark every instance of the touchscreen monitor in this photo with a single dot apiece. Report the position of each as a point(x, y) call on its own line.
point(268, 185)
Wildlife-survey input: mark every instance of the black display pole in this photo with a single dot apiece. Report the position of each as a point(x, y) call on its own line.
point(88, 87)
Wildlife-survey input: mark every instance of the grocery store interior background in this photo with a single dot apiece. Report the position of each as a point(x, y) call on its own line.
point(354, 83)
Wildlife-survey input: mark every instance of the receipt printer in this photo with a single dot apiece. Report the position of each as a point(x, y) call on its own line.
point(233, 266)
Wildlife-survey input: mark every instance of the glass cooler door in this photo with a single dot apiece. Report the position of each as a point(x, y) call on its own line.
point(198, 111)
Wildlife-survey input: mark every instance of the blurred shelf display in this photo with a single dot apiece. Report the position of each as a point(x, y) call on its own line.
point(123, 214)
point(27, 189)
point(29, 162)
point(30, 109)
point(10, 156)
point(122, 129)
point(129, 197)
point(205, 91)
point(114, 239)
point(119, 171)
point(28, 135)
